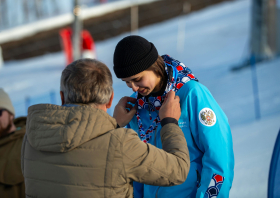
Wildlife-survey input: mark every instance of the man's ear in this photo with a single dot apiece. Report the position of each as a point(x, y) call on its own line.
point(62, 98)
point(109, 104)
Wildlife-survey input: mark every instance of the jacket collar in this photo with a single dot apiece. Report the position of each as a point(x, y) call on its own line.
point(61, 129)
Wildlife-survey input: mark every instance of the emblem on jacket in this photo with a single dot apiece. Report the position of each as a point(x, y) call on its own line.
point(214, 186)
point(207, 117)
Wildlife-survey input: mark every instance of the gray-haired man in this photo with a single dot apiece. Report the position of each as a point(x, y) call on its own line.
point(77, 150)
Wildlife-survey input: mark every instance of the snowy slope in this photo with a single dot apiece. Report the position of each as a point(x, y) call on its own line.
point(253, 144)
point(216, 38)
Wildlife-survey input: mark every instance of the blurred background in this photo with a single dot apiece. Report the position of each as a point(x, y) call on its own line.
point(232, 47)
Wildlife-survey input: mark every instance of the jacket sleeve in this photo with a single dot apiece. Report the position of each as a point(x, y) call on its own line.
point(211, 133)
point(147, 164)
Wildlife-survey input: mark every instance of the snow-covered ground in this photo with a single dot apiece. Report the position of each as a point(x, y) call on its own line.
point(215, 40)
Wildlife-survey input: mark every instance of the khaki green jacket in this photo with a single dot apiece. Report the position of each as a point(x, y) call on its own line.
point(78, 152)
point(11, 178)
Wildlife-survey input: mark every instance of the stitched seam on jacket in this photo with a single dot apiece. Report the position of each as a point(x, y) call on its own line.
point(105, 174)
point(72, 165)
point(55, 182)
point(31, 195)
point(51, 144)
point(85, 127)
point(159, 172)
point(64, 133)
point(151, 168)
point(122, 153)
point(93, 149)
point(120, 141)
point(116, 135)
point(80, 123)
point(22, 153)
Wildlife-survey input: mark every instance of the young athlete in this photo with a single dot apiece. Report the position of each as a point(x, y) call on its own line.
point(205, 126)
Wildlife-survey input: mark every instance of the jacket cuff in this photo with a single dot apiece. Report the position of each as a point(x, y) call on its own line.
point(168, 120)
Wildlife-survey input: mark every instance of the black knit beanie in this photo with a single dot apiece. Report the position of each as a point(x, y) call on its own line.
point(133, 54)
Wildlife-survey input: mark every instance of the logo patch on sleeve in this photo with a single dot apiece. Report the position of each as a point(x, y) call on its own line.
point(214, 186)
point(207, 117)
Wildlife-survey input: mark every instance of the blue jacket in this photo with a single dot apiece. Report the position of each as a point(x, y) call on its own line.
point(209, 143)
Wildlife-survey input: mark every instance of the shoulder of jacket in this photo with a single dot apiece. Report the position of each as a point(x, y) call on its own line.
point(192, 88)
point(191, 85)
point(15, 137)
point(122, 133)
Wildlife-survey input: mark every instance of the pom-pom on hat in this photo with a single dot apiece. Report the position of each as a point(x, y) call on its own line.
point(133, 54)
point(5, 102)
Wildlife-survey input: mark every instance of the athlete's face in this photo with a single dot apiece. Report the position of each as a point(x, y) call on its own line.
point(145, 82)
point(6, 121)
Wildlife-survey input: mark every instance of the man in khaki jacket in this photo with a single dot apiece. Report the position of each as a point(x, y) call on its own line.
point(78, 150)
point(11, 136)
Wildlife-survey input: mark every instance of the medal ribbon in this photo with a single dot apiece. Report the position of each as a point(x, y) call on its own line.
point(177, 75)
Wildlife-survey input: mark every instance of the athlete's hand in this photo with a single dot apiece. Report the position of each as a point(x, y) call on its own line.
point(122, 114)
point(170, 107)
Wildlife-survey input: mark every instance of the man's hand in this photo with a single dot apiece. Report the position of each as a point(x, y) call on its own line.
point(121, 114)
point(170, 107)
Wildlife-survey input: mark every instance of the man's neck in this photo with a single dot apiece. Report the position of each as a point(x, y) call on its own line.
point(102, 107)
point(98, 106)
point(160, 92)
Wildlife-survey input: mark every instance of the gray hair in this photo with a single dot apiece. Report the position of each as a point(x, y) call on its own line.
point(86, 81)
